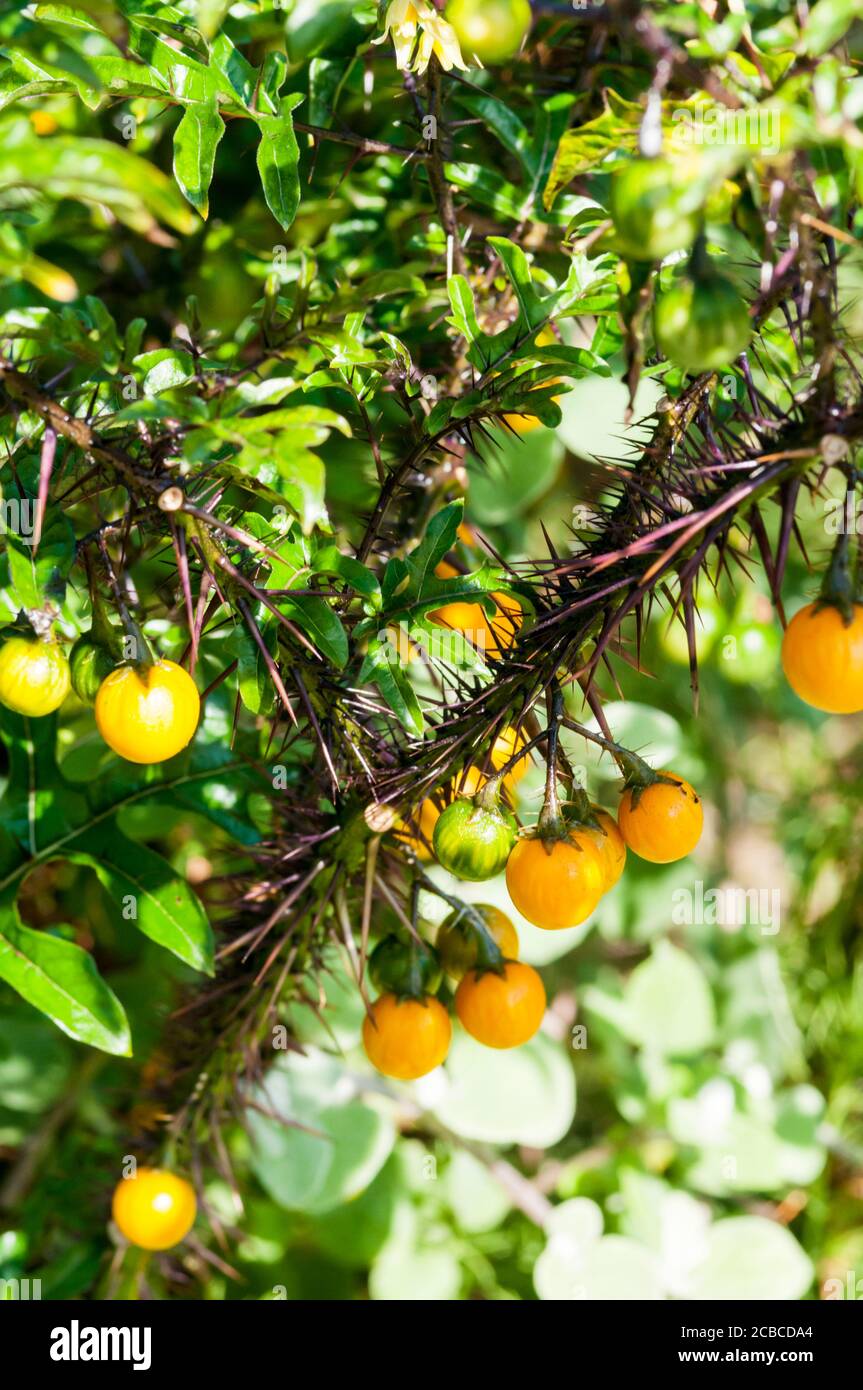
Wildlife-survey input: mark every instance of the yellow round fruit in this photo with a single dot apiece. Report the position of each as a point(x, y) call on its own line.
point(611, 845)
point(154, 1209)
point(147, 713)
point(34, 676)
point(556, 883)
point(406, 1038)
point(661, 822)
point(501, 1008)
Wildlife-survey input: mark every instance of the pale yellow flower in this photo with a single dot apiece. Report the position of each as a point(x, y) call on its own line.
point(418, 31)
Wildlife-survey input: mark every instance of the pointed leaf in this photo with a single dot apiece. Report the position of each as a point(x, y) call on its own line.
point(195, 142)
point(60, 979)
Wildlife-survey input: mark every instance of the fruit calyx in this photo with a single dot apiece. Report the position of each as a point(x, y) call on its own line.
point(638, 775)
point(579, 811)
point(840, 588)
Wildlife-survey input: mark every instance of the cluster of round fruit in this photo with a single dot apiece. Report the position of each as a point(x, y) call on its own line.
point(555, 874)
point(499, 999)
point(145, 711)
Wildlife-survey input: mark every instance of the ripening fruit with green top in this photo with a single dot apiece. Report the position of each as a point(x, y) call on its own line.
point(457, 940)
point(34, 675)
point(702, 322)
point(472, 840)
point(90, 662)
point(490, 30)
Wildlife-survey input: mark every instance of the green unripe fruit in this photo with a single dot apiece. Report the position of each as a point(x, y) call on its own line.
point(473, 841)
point(654, 209)
point(90, 662)
point(490, 30)
point(405, 968)
point(702, 323)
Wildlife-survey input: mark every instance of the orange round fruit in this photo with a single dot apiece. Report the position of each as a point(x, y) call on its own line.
point(154, 1209)
point(822, 658)
point(456, 942)
point(501, 1010)
point(147, 713)
point(34, 676)
point(611, 846)
point(406, 1038)
point(556, 883)
point(491, 636)
point(663, 821)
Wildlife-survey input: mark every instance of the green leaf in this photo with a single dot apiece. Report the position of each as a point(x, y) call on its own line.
point(61, 980)
point(164, 907)
point(448, 646)
point(97, 172)
point(405, 1273)
point(36, 809)
point(164, 369)
point(253, 678)
point(38, 575)
point(43, 818)
point(479, 1202)
point(278, 161)
point(440, 537)
point(382, 666)
point(340, 1149)
point(500, 119)
point(321, 623)
point(828, 22)
point(195, 142)
point(330, 560)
